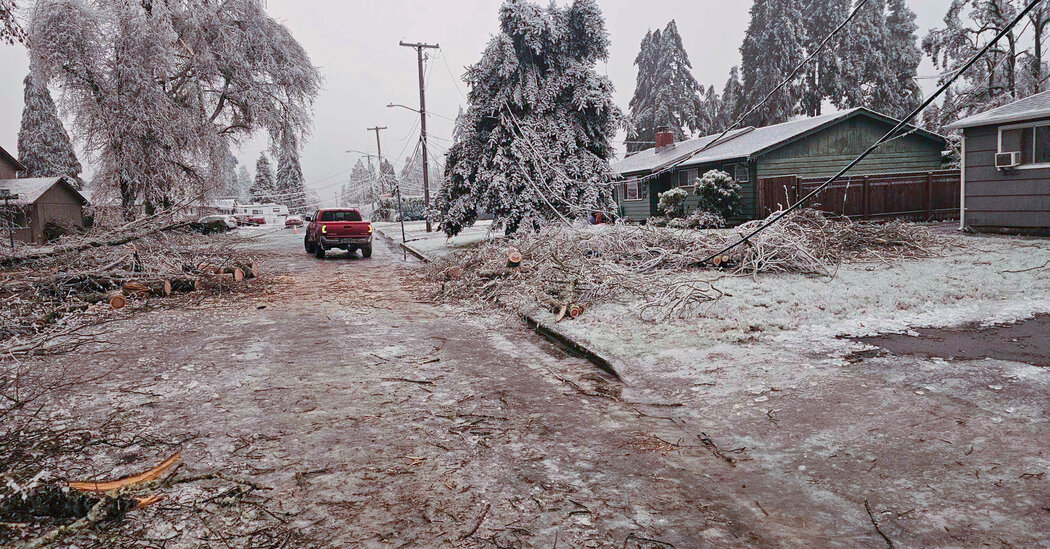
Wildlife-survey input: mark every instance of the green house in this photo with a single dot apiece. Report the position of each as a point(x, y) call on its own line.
point(811, 147)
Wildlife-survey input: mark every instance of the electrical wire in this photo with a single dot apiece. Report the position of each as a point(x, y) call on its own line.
point(902, 124)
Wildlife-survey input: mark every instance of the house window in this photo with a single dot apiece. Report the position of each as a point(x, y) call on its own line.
point(1032, 141)
point(687, 178)
point(743, 175)
point(631, 191)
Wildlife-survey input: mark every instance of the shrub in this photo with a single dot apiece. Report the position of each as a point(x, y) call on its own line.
point(672, 203)
point(719, 193)
point(699, 220)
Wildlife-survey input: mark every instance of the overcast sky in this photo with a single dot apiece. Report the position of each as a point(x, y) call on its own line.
point(355, 43)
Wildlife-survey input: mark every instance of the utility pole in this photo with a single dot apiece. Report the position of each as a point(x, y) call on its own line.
point(423, 121)
point(7, 198)
point(379, 148)
point(379, 151)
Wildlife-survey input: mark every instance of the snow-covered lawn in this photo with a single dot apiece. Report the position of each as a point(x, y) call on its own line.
point(436, 243)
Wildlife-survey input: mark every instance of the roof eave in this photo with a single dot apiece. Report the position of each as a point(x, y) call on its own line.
point(968, 123)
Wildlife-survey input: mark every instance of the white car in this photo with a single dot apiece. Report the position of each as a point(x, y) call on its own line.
point(230, 221)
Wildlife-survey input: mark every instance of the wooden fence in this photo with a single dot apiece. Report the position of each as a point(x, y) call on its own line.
point(915, 196)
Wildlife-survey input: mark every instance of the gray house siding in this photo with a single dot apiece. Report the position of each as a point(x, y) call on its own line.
point(998, 200)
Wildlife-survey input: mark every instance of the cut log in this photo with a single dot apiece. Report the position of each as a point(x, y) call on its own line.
point(147, 288)
point(513, 258)
point(117, 300)
point(576, 310)
point(238, 274)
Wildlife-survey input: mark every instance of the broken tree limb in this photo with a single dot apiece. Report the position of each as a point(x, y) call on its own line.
point(117, 300)
point(132, 481)
point(514, 258)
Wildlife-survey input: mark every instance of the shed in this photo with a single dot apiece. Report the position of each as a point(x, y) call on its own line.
point(1006, 168)
point(809, 147)
point(43, 201)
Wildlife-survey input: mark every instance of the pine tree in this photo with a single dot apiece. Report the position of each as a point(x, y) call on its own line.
point(666, 95)
point(43, 144)
point(388, 177)
point(903, 57)
point(773, 46)
point(265, 187)
point(825, 77)
point(231, 184)
point(536, 140)
point(289, 183)
point(244, 182)
point(362, 186)
point(731, 103)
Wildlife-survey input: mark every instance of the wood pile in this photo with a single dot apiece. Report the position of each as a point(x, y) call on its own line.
point(42, 289)
point(569, 270)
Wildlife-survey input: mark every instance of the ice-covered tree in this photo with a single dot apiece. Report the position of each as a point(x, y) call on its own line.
point(10, 30)
point(824, 78)
point(231, 183)
point(1011, 70)
point(156, 89)
point(388, 177)
point(774, 45)
point(289, 182)
point(536, 141)
point(903, 57)
point(43, 144)
point(666, 95)
point(362, 187)
point(731, 103)
point(244, 182)
point(264, 189)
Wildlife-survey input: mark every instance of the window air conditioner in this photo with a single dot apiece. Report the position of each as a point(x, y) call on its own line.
point(1007, 160)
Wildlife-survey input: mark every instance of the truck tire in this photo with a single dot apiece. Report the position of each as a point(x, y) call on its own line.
point(366, 252)
point(319, 251)
point(308, 245)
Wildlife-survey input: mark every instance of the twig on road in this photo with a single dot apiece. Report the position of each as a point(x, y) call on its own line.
point(477, 524)
point(875, 523)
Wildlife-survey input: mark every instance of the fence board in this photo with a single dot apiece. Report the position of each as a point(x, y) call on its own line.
point(915, 195)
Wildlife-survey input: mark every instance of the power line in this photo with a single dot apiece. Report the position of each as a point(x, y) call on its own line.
point(746, 115)
point(905, 122)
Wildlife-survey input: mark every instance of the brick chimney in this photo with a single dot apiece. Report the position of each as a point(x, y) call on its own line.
point(664, 141)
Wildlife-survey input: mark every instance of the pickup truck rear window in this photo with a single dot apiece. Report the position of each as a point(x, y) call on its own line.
point(341, 216)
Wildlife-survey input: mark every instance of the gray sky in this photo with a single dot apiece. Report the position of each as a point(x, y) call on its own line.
point(356, 45)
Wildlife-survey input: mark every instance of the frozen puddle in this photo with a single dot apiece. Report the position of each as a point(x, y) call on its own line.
point(1027, 341)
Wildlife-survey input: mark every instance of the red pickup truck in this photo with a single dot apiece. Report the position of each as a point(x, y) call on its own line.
point(338, 228)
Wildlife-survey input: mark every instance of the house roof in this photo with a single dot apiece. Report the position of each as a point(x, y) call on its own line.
point(748, 142)
point(650, 160)
point(31, 189)
point(12, 160)
point(1035, 106)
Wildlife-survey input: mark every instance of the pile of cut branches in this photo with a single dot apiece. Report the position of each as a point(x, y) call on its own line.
point(46, 291)
point(568, 270)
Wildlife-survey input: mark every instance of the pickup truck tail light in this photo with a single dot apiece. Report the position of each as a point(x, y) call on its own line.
point(369, 229)
point(324, 229)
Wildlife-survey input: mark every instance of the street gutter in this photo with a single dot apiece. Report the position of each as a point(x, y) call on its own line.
point(564, 341)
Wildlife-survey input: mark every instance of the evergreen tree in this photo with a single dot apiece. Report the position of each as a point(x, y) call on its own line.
point(731, 103)
point(825, 77)
point(536, 139)
point(666, 96)
point(265, 187)
point(289, 183)
point(362, 186)
point(244, 182)
point(773, 46)
point(43, 144)
point(903, 56)
point(231, 184)
point(388, 177)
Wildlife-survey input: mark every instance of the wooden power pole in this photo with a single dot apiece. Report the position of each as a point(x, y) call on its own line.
point(423, 122)
point(379, 150)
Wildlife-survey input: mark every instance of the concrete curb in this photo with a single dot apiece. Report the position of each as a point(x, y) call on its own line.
point(548, 332)
point(415, 253)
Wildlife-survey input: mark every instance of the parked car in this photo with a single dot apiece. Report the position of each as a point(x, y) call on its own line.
point(229, 220)
point(244, 219)
point(257, 220)
point(293, 221)
point(342, 228)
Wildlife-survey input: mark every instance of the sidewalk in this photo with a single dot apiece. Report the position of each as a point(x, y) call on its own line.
point(436, 243)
